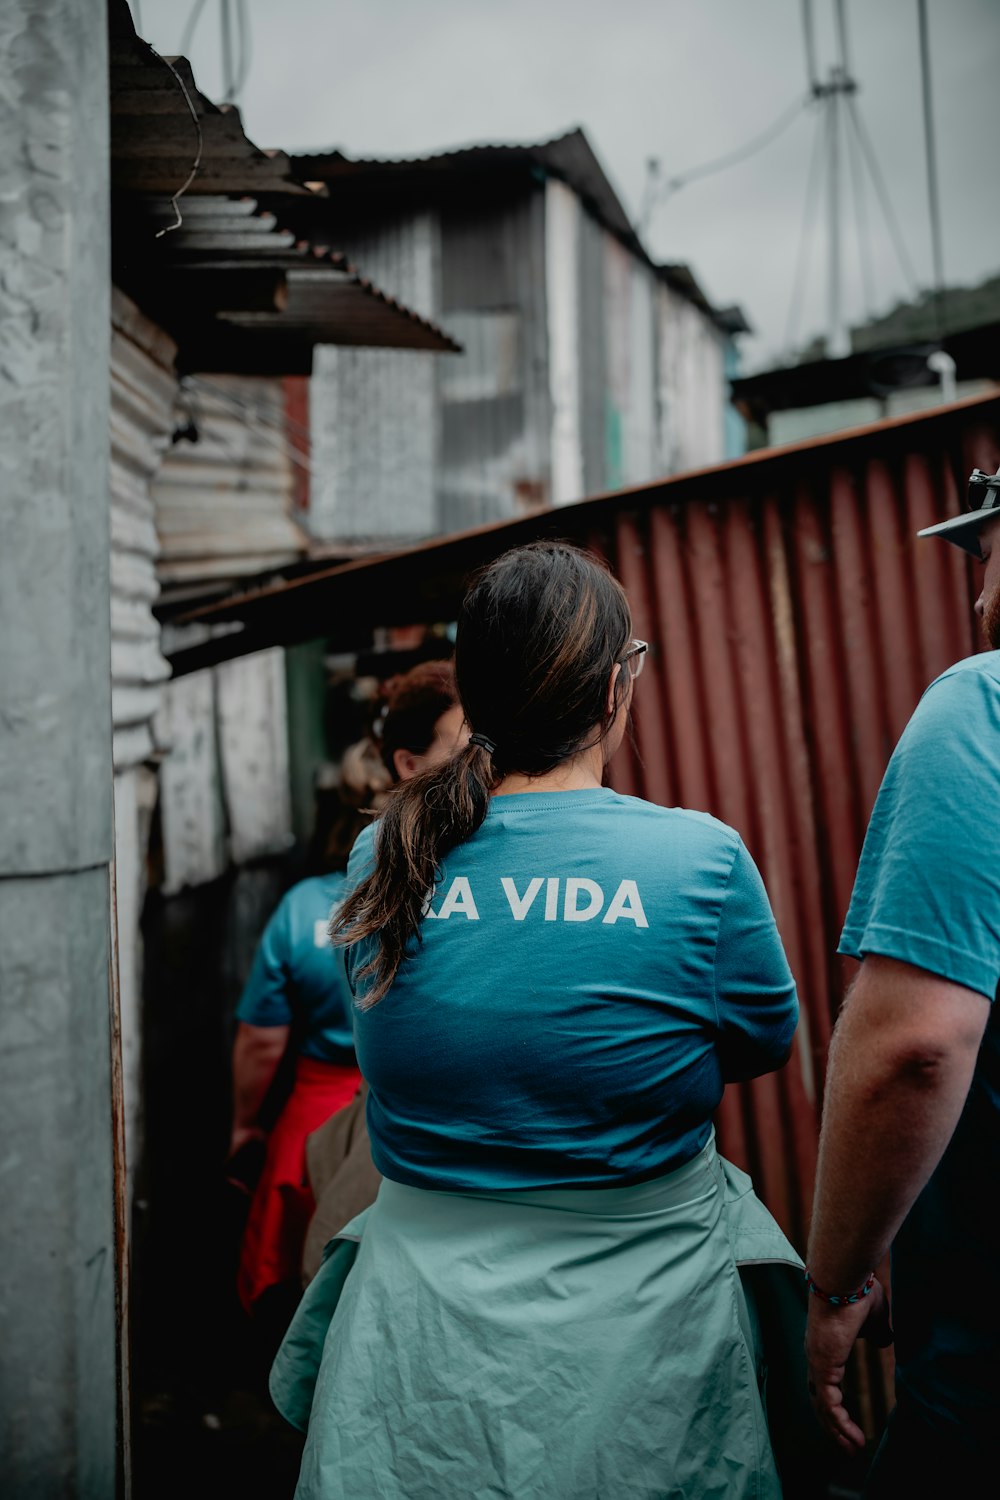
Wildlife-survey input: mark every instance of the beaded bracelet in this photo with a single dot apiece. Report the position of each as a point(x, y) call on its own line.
point(844, 1299)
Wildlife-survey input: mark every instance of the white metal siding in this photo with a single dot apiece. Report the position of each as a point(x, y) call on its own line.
point(225, 795)
point(693, 386)
point(224, 503)
point(629, 376)
point(562, 214)
point(373, 411)
point(143, 386)
point(252, 716)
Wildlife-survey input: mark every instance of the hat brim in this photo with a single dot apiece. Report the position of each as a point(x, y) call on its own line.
point(963, 531)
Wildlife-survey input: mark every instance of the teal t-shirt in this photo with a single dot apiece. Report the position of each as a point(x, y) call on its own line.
point(589, 969)
point(928, 893)
point(297, 979)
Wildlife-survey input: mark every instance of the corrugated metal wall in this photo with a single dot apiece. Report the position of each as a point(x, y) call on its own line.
point(794, 621)
point(693, 395)
point(224, 503)
point(143, 388)
point(493, 399)
point(373, 412)
point(793, 629)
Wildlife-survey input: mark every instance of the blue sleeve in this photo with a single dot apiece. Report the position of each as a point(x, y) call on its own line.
point(359, 866)
point(265, 999)
point(755, 995)
point(928, 885)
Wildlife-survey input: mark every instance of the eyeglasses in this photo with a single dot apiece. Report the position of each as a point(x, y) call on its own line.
point(635, 657)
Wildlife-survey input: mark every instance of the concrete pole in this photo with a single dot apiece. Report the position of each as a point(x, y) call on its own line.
point(58, 1363)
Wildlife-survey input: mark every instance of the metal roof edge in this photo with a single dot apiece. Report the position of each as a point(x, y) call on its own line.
point(597, 505)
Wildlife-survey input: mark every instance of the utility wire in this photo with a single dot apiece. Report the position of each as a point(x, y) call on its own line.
point(933, 201)
point(262, 417)
point(245, 47)
point(865, 259)
point(814, 182)
point(882, 193)
point(842, 47)
point(228, 76)
point(731, 159)
point(200, 143)
point(187, 36)
point(809, 38)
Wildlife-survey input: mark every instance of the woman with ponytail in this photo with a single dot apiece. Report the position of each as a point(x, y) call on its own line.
point(552, 985)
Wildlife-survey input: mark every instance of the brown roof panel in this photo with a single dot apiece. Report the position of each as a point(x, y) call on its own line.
point(236, 287)
point(569, 157)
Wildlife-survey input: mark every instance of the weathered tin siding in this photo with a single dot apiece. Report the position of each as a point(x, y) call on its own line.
point(693, 385)
point(143, 389)
point(494, 398)
point(373, 412)
point(224, 502)
point(580, 372)
point(225, 795)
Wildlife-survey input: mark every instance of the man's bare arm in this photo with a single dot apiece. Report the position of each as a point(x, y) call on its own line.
point(257, 1051)
point(901, 1063)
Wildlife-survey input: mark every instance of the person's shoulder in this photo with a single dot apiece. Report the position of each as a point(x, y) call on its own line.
point(365, 842)
point(964, 698)
point(974, 675)
point(362, 856)
point(696, 826)
point(316, 889)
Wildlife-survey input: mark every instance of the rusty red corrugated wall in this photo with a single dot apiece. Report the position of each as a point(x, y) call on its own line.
point(793, 626)
point(792, 632)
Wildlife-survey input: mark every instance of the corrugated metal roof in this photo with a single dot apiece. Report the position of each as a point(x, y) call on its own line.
point(155, 140)
point(240, 293)
point(361, 181)
point(875, 372)
point(569, 157)
point(235, 288)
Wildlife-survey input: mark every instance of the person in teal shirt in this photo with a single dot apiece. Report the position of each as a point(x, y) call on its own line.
point(297, 996)
point(910, 1148)
point(553, 984)
point(637, 966)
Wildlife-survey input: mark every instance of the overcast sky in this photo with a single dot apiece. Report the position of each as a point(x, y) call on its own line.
point(682, 80)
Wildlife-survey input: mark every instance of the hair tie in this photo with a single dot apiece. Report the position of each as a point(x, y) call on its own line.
point(484, 743)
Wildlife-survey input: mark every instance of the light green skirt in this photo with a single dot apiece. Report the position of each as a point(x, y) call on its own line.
point(560, 1345)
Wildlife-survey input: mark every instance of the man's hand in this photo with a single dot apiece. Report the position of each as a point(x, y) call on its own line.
point(831, 1334)
point(241, 1136)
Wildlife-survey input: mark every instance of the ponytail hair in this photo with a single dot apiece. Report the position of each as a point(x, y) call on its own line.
point(539, 633)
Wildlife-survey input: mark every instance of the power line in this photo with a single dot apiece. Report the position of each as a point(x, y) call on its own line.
point(809, 38)
point(245, 47)
point(813, 185)
point(732, 158)
point(882, 193)
point(865, 259)
point(228, 75)
point(835, 333)
point(933, 201)
point(187, 36)
point(199, 147)
point(842, 47)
